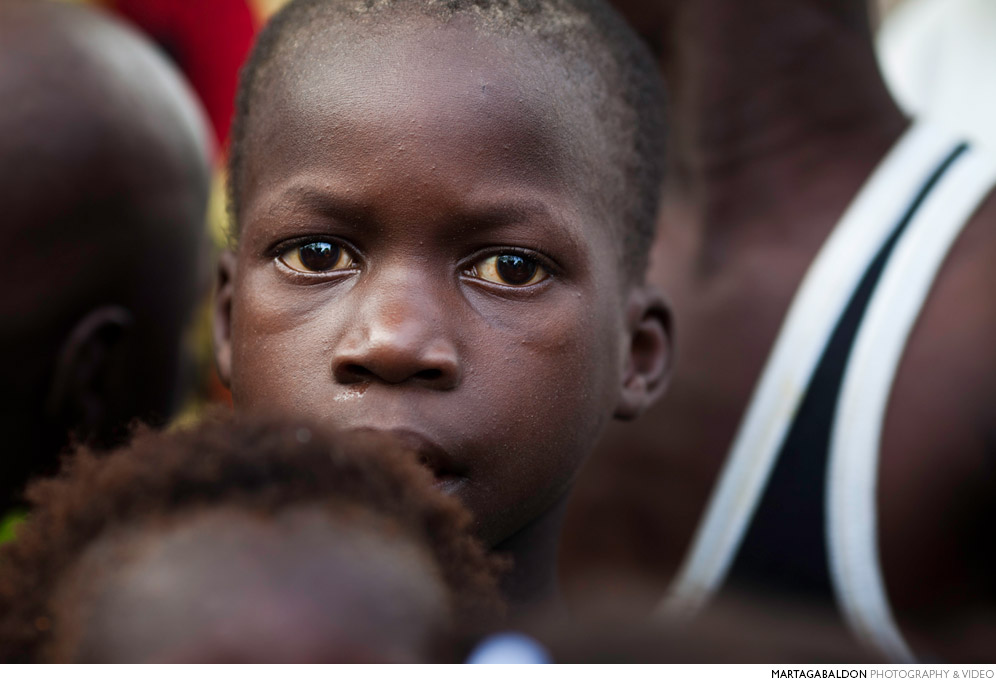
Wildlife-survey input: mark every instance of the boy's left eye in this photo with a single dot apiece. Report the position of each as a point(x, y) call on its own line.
point(317, 257)
point(513, 270)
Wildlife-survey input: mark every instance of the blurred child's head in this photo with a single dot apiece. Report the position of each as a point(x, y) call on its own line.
point(104, 176)
point(253, 542)
point(443, 214)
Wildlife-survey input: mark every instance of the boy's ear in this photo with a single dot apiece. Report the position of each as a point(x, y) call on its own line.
point(647, 354)
point(222, 325)
point(90, 370)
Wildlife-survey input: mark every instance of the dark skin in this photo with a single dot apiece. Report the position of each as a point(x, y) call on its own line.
point(778, 116)
point(103, 179)
point(433, 158)
point(311, 585)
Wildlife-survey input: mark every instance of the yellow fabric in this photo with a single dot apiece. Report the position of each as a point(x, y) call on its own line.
point(9, 525)
point(264, 9)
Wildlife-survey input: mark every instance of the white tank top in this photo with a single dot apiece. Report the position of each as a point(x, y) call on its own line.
point(908, 214)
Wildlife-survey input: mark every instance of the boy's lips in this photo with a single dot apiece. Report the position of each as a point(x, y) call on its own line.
point(430, 454)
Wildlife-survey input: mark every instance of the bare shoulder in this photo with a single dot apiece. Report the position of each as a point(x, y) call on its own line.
point(938, 470)
point(948, 371)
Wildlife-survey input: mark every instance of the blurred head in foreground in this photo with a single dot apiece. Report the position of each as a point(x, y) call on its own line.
point(242, 543)
point(104, 178)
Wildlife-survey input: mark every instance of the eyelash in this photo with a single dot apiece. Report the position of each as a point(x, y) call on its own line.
point(541, 260)
point(278, 251)
point(285, 246)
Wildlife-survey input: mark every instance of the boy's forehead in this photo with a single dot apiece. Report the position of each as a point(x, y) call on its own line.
point(443, 95)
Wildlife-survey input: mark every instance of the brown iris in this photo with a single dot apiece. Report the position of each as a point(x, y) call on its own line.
point(515, 270)
point(317, 257)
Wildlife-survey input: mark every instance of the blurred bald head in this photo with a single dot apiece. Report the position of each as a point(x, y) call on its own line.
point(104, 175)
point(310, 585)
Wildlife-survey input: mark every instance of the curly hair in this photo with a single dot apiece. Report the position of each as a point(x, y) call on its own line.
point(607, 65)
point(259, 466)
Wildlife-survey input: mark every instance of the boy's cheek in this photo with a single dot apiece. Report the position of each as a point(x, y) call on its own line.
point(265, 378)
point(265, 304)
point(547, 405)
point(537, 439)
point(277, 352)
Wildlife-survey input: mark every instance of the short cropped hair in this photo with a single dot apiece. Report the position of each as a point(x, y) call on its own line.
point(607, 62)
point(262, 467)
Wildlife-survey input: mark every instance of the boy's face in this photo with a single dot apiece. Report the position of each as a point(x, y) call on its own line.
point(420, 252)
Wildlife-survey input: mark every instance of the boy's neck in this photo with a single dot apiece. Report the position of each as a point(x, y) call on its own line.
point(531, 584)
point(764, 95)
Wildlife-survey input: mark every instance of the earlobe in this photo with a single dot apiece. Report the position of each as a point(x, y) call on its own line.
point(222, 324)
point(647, 366)
point(89, 365)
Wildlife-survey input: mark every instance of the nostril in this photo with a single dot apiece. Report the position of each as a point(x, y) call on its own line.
point(358, 372)
point(355, 372)
point(429, 374)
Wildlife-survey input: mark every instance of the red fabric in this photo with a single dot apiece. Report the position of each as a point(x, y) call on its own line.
point(208, 39)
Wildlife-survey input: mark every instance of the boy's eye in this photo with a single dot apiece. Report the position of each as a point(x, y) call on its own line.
point(509, 269)
point(317, 257)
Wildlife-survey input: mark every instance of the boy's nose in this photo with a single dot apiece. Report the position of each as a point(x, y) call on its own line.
point(397, 341)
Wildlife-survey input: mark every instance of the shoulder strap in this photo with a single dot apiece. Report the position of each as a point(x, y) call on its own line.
point(814, 313)
point(854, 445)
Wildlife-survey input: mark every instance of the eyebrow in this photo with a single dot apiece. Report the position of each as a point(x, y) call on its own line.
point(498, 214)
point(320, 202)
point(481, 216)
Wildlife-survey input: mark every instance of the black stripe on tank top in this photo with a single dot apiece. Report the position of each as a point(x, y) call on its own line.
point(784, 551)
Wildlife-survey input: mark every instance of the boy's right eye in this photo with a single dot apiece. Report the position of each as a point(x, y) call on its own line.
point(319, 256)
